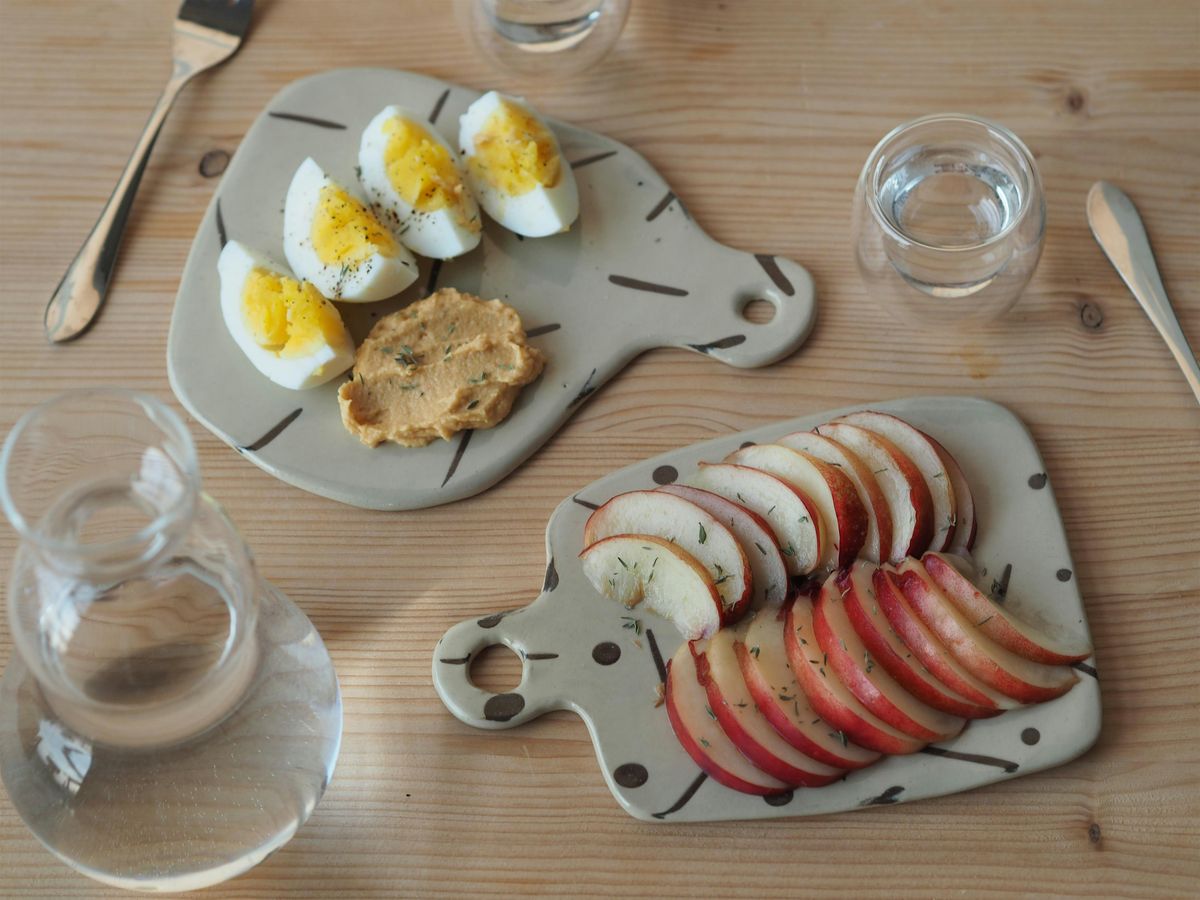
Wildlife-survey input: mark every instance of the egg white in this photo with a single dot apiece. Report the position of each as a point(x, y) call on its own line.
point(536, 213)
point(326, 361)
point(375, 278)
point(440, 233)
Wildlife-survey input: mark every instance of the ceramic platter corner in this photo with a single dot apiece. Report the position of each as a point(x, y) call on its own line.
point(579, 656)
point(634, 273)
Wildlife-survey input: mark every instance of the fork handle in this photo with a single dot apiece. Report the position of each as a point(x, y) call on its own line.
point(1119, 231)
point(80, 294)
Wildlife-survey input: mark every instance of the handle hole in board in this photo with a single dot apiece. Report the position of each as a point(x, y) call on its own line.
point(758, 310)
point(496, 669)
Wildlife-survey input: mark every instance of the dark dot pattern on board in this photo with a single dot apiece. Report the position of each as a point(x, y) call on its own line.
point(1038, 481)
point(630, 775)
point(1030, 736)
point(665, 475)
point(213, 163)
point(502, 707)
point(1063, 574)
point(779, 799)
point(606, 653)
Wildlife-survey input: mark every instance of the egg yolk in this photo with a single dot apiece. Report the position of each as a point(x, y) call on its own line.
point(419, 168)
point(285, 316)
point(515, 152)
point(345, 232)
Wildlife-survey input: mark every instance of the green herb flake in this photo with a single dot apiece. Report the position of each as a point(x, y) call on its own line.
point(624, 565)
point(754, 652)
point(703, 533)
point(760, 548)
point(712, 715)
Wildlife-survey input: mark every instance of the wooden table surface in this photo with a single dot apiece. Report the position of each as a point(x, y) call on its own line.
point(760, 115)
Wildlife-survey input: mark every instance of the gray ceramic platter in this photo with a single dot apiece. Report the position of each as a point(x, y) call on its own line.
point(579, 656)
point(634, 273)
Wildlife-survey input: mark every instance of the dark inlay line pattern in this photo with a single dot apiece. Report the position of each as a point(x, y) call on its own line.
point(588, 160)
point(308, 120)
point(586, 503)
point(542, 329)
point(1063, 574)
point(221, 226)
point(723, 344)
point(273, 433)
point(1000, 585)
point(458, 454)
point(550, 582)
point(1007, 765)
point(771, 267)
point(541, 656)
point(461, 661)
point(434, 270)
point(493, 620)
point(660, 206)
point(437, 107)
point(658, 660)
point(687, 795)
point(638, 285)
point(584, 392)
point(1086, 669)
point(1037, 481)
point(891, 795)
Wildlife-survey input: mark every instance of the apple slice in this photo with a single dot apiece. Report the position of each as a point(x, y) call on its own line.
point(831, 699)
point(917, 446)
point(758, 542)
point(688, 527)
point(927, 648)
point(1012, 675)
point(728, 697)
point(966, 517)
point(763, 660)
point(703, 740)
point(843, 516)
point(791, 515)
point(903, 486)
point(878, 542)
point(636, 568)
point(884, 648)
point(996, 622)
point(871, 684)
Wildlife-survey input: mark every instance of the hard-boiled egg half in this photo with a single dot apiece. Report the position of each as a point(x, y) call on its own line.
point(333, 240)
point(414, 182)
point(515, 167)
point(285, 327)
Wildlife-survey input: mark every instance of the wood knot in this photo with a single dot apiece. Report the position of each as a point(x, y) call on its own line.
point(213, 163)
point(1094, 833)
point(1091, 316)
point(1075, 100)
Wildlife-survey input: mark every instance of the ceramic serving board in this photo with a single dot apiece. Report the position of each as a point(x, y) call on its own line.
point(635, 272)
point(579, 654)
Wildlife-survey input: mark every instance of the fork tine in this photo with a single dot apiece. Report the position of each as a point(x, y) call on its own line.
point(231, 17)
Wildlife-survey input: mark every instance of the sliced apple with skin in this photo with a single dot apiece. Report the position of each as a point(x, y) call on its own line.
point(884, 648)
point(1012, 675)
point(878, 541)
point(758, 542)
point(644, 568)
point(917, 446)
point(739, 717)
point(966, 515)
point(832, 700)
point(928, 648)
point(871, 684)
point(996, 622)
point(696, 727)
point(843, 517)
point(791, 515)
point(690, 528)
point(768, 675)
point(903, 486)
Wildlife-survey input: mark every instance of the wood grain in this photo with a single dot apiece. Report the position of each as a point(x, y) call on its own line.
point(759, 114)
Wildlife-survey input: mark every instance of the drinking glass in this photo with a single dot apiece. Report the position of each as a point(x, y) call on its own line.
point(949, 219)
point(548, 37)
point(167, 719)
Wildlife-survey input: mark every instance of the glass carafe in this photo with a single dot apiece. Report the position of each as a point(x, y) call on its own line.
point(167, 719)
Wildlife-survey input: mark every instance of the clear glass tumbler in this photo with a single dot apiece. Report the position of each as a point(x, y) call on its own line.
point(547, 37)
point(949, 220)
point(167, 718)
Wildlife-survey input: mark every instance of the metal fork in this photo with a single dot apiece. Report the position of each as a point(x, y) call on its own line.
point(207, 32)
